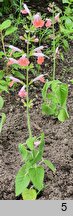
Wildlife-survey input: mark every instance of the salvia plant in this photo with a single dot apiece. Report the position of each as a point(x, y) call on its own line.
point(54, 92)
point(30, 178)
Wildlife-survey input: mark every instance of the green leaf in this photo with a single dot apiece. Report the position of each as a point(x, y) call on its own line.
point(1, 102)
point(22, 181)
point(62, 56)
point(63, 115)
point(29, 194)
point(30, 142)
point(55, 84)
point(18, 74)
point(2, 121)
point(1, 54)
point(50, 165)
point(48, 109)
point(23, 151)
point(3, 88)
point(65, 1)
point(5, 24)
point(45, 88)
point(37, 177)
point(39, 153)
point(10, 30)
point(62, 93)
point(66, 44)
point(1, 74)
point(68, 23)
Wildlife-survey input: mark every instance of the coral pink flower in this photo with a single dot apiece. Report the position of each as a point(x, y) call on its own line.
point(48, 23)
point(23, 61)
point(14, 80)
point(26, 10)
point(11, 84)
point(37, 21)
point(40, 78)
point(22, 93)
point(12, 61)
point(57, 17)
point(40, 60)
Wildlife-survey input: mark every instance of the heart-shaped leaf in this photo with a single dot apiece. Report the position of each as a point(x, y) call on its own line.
point(37, 177)
point(22, 181)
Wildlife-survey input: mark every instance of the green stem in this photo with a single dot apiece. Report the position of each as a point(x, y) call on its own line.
point(20, 4)
point(27, 84)
point(20, 8)
point(54, 50)
point(2, 39)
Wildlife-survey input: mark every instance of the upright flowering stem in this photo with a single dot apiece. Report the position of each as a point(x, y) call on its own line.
point(20, 9)
point(54, 49)
point(20, 4)
point(2, 39)
point(27, 84)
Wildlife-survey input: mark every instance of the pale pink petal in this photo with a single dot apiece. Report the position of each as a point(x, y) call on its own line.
point(38, 54)
point(36, 40)
point(57, 17)
point(38, 49)
point(57, 50)
point(14, 79)
point(15, 49)
point(22, 93)
point(26, 8)
point(48, 23)
point(49, 9)
point(37, 16)
point(12, 61)
point(21, 37)
point(40, 78)
point(23, 11)
point(37, 143)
